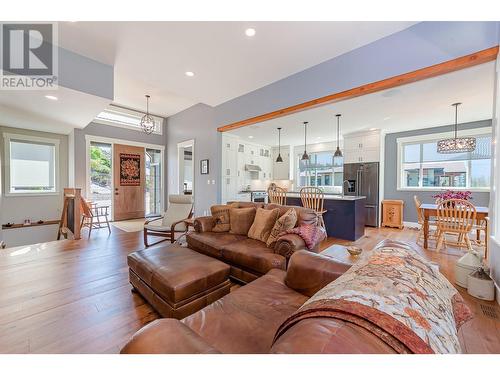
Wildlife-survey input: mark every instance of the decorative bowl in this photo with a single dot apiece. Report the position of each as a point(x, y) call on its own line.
point(354, 250)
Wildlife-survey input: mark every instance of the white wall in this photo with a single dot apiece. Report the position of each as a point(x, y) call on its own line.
point(16, 209)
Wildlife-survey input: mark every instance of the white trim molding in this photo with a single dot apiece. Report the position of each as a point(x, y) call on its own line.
point(8, 137)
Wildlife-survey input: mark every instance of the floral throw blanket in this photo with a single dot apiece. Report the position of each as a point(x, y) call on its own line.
point(395, 294)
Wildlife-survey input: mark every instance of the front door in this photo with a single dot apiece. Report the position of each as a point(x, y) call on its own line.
point(129, 182)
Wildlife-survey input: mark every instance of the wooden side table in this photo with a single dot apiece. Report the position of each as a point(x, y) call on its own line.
point(392, 213)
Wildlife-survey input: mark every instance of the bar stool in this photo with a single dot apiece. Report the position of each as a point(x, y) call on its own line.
point(276, 195)
point(313, 197)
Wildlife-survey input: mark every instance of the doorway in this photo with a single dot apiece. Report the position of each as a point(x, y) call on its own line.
point(185, 153)
point(126, 176)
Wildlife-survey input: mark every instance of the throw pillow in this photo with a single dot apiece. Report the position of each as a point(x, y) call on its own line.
point(241, 219)
point(221, 214)
point(263, 224)
point(310, 233)
point(286, 222)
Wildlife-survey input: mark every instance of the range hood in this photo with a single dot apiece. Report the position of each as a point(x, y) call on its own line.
point(252, 168)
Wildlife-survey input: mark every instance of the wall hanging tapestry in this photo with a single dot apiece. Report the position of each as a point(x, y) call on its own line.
point(130, 170)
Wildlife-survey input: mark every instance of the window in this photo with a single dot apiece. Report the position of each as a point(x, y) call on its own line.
point(31, 165)
point(422, 167)
point(126, 118)
point(319, 171)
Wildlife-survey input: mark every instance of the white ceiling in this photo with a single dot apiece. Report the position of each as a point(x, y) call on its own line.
point(152, 57)
point(31, 110)
point(419, 105)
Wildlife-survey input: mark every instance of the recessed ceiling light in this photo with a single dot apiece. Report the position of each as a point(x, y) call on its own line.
point(387, 118)
point(51, 97)
point(250, 136)
point(372, 129)
point(250, 32)
point(189, 74)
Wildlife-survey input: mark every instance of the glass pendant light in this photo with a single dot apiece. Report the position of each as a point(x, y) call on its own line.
point(147, 121)
point(456, 145)
point(279, 159)
point(338, 158)
point(304, 155)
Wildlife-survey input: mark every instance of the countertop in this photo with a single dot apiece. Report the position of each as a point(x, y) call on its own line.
point(329, 196)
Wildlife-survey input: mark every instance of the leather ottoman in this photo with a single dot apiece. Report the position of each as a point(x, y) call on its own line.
point(177, 281)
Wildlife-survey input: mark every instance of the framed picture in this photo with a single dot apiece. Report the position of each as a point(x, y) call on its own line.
point(204, 169)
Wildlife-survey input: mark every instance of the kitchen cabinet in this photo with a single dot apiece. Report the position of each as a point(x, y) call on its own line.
point(362, 147)
point(281, 171)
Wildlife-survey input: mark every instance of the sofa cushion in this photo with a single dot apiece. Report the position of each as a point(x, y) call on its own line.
point(245, 320)
point(221, 214)
point(253, 255)
point(286, 222)
point(210, 243)
point(241, 220)
point(304, 215)
point(263, 224)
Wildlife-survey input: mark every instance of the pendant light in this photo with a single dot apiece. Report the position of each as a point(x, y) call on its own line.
point(456, 145)
point(305, 156)
point(338, 158)
point(147, 121)
point(279, 159)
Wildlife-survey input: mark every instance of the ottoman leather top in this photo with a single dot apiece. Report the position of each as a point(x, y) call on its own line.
point(177, 273)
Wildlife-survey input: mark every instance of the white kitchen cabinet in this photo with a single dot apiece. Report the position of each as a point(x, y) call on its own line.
point(362, 147)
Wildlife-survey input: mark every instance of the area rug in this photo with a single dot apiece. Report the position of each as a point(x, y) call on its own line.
point(134, 225)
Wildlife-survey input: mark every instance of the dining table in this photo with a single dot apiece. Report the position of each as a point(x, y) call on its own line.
point(430, 210)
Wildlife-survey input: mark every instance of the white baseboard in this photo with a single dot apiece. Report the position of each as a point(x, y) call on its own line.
point(411, 224)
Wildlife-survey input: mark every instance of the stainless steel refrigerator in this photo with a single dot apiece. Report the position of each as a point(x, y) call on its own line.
point(364, 181)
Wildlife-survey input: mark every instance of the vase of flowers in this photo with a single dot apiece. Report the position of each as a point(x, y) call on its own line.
point(451, 194)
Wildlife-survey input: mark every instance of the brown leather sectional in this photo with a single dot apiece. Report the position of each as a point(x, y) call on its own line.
point(245, 321)
point(247, 257)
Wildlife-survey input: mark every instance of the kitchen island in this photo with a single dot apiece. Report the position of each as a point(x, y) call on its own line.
point(344, 217)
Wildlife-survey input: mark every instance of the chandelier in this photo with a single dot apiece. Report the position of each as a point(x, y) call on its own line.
point(147, 121)
point(456, 145)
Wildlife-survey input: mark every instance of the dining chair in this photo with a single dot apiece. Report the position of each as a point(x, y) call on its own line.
point(455, 216)
point(276, 195)
point(92, 214)
point(420, 219)
point(313, 197)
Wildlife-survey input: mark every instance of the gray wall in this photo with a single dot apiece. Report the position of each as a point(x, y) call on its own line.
point(107, 131)
point(196, 123)
point(391, 170)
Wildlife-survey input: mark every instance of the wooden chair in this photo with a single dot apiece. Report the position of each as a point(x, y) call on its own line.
point(420, 218)
point(92, 214)
point(313, 197)
point(455, 216)
point(276, 195)
point(180, 208)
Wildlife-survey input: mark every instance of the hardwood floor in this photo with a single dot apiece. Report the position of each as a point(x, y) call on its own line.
point(74, 296)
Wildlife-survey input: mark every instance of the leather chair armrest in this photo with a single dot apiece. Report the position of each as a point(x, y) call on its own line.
point(167, 336)
point(309, 272)
point(204, 224)
point(288, 244)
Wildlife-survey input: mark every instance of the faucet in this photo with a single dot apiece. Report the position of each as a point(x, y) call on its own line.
point(348, 186)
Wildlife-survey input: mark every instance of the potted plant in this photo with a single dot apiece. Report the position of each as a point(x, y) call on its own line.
point(451, 194)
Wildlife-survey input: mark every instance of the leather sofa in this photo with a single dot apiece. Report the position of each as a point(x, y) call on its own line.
point(245, 321)
point(247, 257)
